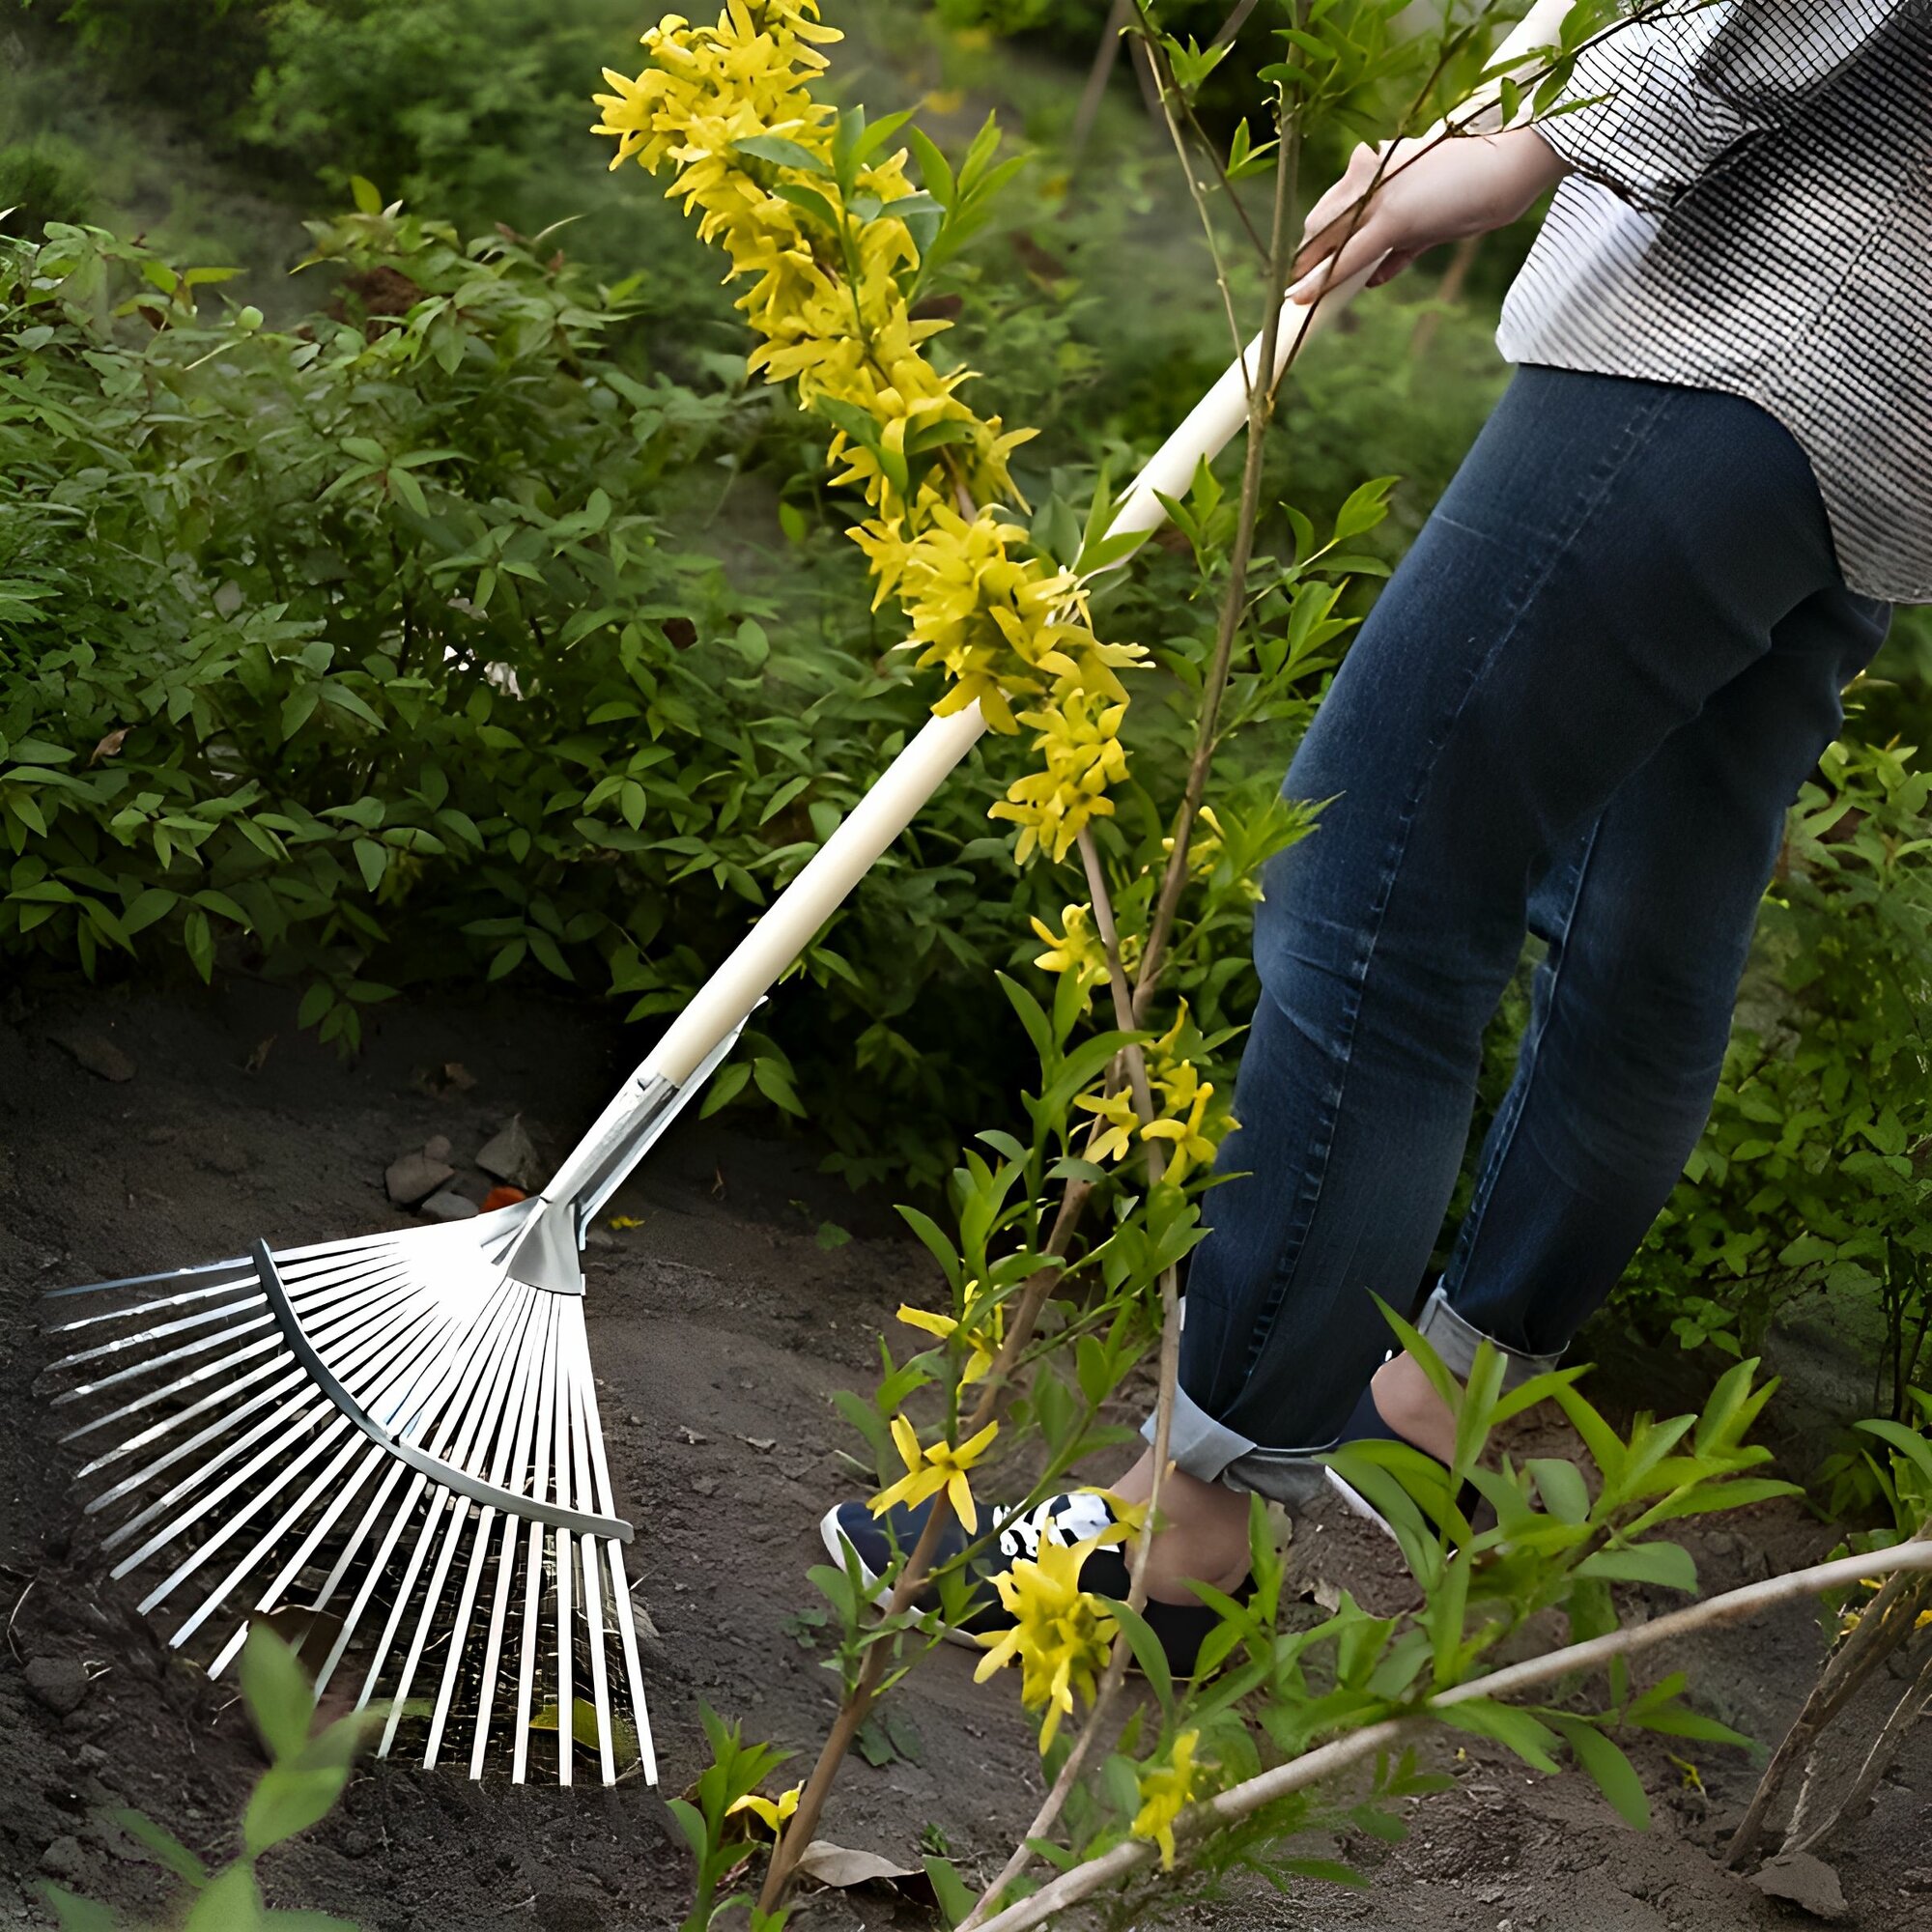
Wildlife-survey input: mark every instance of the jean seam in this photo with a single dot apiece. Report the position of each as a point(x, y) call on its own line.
point(1637, 435)
point(1470, 1233)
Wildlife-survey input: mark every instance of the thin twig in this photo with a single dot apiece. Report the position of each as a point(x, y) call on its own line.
point(1883, 1627)
point(1262, 397)
point(1106, 57)
point(1241, 1801)
point(1905, 1714)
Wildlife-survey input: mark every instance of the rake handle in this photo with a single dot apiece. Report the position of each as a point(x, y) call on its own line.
point(786, 930)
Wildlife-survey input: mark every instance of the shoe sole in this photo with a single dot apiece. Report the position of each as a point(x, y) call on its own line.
point(837, 1544)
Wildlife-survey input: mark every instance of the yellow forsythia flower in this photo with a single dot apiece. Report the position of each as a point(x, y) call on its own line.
point(1061, 1635)
point(984, 1332)
point(1117, 1111)
point(771, 1812)
point(1165, 1792)
point(829, 301)
point(1080, 745)
point(928, 1471)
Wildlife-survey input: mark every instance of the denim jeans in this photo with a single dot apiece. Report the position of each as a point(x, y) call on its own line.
point(1579, 709)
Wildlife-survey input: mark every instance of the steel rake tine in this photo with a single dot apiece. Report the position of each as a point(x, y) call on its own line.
point(265, 1543)
point(240, 1261)
point(327, 1432)
point(184, 1353)
point(472, 1364)
point(378, 1568)
point(373, 1458)
point(312, 1400)
point(530, 1376)
point(620, 1593)
point(515, 1405)
point(496, 1376)
point(280, 1529)
point(566, 1629)
point(292, 1377)
point(585, 1407)
point(140, 1309)
point(312, 1407)
point(372, 1576)
point(266, 1345)
point(533, 1574)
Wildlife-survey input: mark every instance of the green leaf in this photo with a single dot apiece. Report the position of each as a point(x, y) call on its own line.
point(74, 1914)
point(230, 1903)
point(288, 1801)
point(1667, 1564)
point(276, 1692)
point(1561, 1488)
point(1612, 1772)
point(372, 861)
point(1915, 1448)
point(781, 152)
point(368, 198)
point(163, 1843)
point(1149, 1653)
point(956, 1898)
point(1517, 1730)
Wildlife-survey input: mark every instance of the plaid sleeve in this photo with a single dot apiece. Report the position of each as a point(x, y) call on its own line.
point(1663, 96)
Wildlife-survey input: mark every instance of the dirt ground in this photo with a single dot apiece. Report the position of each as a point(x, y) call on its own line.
point(718, 1325)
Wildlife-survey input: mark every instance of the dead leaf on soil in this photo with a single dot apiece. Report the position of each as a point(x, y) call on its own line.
point(837, 1866)
point(259, 1058)
point(1805, 1882)
point(108, 746)
point(97, 1053)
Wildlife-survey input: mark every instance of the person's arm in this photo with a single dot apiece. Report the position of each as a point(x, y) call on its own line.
point(1681, 86)
point(1669, 93)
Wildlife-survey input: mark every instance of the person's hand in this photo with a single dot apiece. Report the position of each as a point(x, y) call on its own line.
point(1402, 199)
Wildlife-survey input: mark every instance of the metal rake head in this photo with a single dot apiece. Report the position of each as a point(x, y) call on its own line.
point(396, 1442)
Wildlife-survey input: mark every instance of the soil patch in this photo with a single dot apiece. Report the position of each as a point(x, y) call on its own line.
point(148, 1131)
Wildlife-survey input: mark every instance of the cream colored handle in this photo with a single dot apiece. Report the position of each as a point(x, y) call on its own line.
point(811, 900)
point(725, 1000)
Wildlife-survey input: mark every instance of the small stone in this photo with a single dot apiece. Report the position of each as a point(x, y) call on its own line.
point(688, 1434)
point(1805, 1882)
point(599, 1238)
point(96, 1053)
point(448, 1205)
point(415, 1178)
point(64, 1859)
point(635, 1421)
point(57, 1683)
point(511, 1155)
point(705, 1486)
point(437, 1147)
point(763, 1444)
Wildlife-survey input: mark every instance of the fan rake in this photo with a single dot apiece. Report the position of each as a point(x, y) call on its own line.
point(390, 1437)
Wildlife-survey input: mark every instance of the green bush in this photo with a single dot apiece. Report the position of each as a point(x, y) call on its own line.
point(43, 181)
point(364, 650)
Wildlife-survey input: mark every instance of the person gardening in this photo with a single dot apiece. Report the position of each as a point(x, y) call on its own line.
point(1579, 709)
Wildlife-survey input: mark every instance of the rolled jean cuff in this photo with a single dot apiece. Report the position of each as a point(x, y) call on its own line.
point(1211, 1451)
point(1456, 1340)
